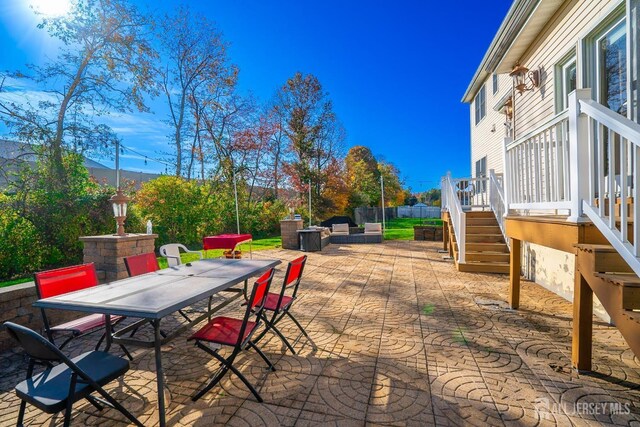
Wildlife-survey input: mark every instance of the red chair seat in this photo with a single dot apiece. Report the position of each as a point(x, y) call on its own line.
point(271, 303)
point(223, 330)
point(86, 323)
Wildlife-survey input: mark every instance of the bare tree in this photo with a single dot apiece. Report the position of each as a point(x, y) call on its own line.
point(104, 65)
point(195, 63)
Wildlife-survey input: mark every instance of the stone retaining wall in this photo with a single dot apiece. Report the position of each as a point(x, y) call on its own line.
point(15, 306)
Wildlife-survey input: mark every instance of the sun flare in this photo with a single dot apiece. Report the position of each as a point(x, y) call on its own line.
point(51, 8)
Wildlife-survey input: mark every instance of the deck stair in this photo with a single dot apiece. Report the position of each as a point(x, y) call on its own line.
point(616, 286)
point(486, 250)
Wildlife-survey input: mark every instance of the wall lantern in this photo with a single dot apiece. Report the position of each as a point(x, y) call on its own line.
point(521, 74)
point(119, 201)
point(508, 108)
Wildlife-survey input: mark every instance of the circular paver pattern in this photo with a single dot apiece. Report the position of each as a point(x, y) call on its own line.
point(463, 398)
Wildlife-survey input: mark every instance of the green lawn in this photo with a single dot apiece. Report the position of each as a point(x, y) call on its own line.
point(402, 228)
point(257, 245)
point(15, 281)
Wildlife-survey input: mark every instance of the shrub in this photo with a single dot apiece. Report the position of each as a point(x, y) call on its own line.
point(63, 213)
point(22, 250)
point(176, 207)
point(185, 211)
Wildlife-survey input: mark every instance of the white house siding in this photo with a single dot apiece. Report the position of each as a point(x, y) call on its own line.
point(548, 267)
point(558, 39)
point(487, 138)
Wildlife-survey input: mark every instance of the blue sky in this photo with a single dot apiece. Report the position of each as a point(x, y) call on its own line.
point(396, 71)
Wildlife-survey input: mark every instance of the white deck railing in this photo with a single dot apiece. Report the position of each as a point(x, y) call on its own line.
point(584, 161)
point(496, 200)
point(451, 202)
point(536, 167)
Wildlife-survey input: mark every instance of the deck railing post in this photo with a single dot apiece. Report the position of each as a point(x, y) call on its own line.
point(507, 178)
point(578, 154)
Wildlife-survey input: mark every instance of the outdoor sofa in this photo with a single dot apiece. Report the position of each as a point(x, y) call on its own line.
point(372, 234)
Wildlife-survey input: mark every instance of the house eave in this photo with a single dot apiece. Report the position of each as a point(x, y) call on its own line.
point(524, 21)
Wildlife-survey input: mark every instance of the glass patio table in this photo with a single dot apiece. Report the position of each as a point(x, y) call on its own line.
point(153, 296)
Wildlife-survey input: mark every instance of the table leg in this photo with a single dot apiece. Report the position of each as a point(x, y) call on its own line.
point(159, 373)
point(108, 337)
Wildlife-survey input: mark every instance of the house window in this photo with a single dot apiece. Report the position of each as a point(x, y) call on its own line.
point(479, 104)
point(566, 82)
point(611, 62)
point(481, 172)
point(495, 84)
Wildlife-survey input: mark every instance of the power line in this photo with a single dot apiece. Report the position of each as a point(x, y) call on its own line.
point(146, 157)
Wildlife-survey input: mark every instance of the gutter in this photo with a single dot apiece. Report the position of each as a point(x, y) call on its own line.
point(511, 26)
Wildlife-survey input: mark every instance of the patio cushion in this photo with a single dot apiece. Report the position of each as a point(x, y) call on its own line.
point(272, 301)
point(49, 389)
point(85, 323)
point(372, 228)
point(340, 229)
point(223, 330)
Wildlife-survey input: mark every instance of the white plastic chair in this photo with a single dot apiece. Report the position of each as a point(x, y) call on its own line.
point(172, 253)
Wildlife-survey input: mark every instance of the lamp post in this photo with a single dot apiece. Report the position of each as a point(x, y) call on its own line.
point(382, 194)
point(119, 200)
point(235, 194)
point(309, 202)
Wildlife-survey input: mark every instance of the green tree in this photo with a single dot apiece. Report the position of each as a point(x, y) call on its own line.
point(394, 191)
point(315, 135)
point(363, 177)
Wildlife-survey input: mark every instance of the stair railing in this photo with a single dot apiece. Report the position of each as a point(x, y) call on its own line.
point(451, 203)
point(608, 146)
point(497, 201)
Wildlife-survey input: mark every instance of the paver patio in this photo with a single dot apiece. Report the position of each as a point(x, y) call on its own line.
point(401, 338)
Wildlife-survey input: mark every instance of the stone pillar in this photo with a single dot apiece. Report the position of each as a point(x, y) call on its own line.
point(289, 232)
point(107, 252)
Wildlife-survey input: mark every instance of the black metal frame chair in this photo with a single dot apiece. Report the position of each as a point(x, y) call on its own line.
point(280, 304)
point(59, 386)
point(236, 333)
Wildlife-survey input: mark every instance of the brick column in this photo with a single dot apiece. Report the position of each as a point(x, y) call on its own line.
point(107, 252)
point(289, 232)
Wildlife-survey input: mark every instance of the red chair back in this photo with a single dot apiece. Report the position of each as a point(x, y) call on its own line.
point(63, 280)
point(294, 271)
point(260, 289)
point(256, 302)
point(141, 264)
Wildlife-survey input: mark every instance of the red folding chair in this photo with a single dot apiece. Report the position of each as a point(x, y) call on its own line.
point(280, 304)
point(234, 333)
point(69, 279)
point(142, 264)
